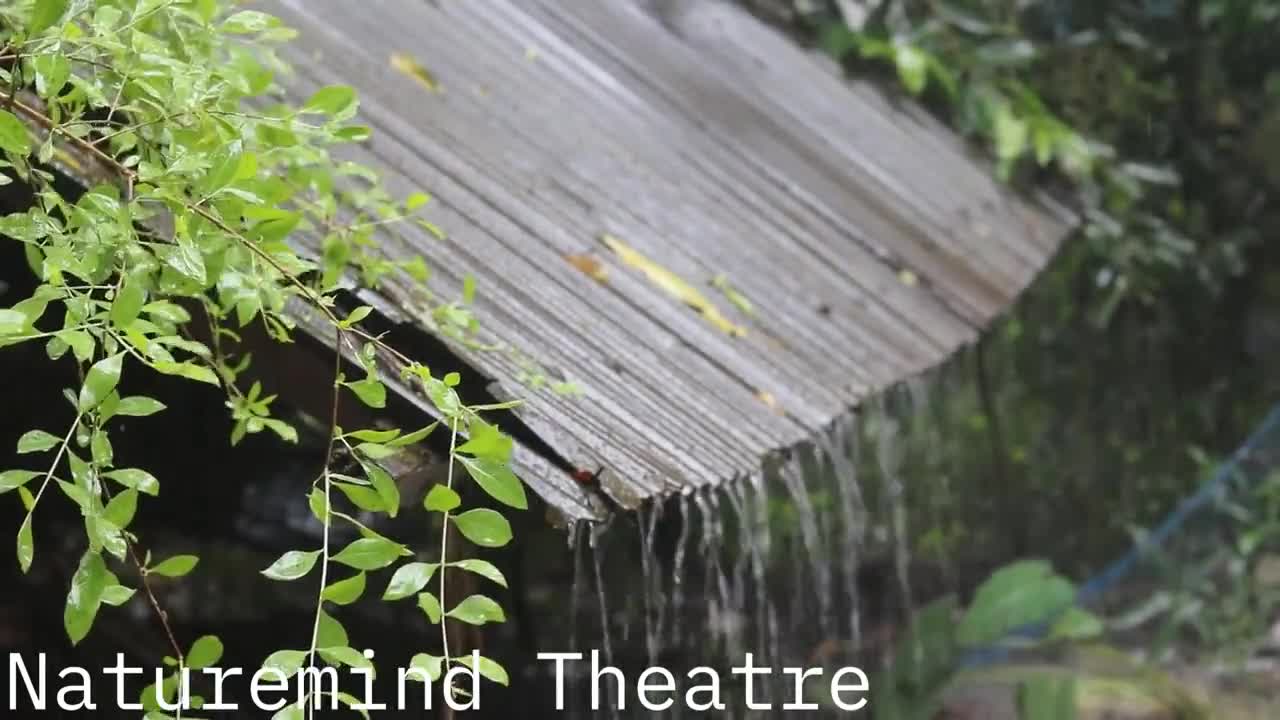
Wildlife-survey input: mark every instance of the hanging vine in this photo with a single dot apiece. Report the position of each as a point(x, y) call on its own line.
point(195, 225)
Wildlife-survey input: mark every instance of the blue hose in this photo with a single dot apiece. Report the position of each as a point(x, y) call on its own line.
point(1109, 577)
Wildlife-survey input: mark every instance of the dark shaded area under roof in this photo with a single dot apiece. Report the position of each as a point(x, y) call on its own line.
point(868, 240)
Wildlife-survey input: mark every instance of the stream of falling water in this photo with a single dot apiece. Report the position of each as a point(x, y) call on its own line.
point(597, 552)
point(815, 556)
point(677, 575)
point(840, 446)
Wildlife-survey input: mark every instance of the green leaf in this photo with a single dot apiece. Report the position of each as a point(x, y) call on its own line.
point(14, 479)
point(409, 580)
point(34, 441)
point(204, 652)
point(85, 597)
point(496, 479)
point(487, 668)
point(441, 498)
point(248, 21)
point(483, 568)
point(477, 610)
point(346, 656)
point(139, 406)
point(26, 545)
point(369, 553)
point(286, 662)
point(13, 322)
point(127, 305)
point(292, 565)
point(431, 606)
point(14, 137)
point(487, 441)
point(1076, 624)
point(913, 67)
point(484, 527)
point(373, 436)
point(45, 14)
point(188, 370)
point(329, 632)
point(331, 100)
point(414, 437)
point(345, 592)
point(1015, 596)
point(362, 497)
point(121, 509)
point(175, 567)
point(117, 595)
point(100, 382)
point(370, 391)
point(429, 665)
point(140, 480)
point(385, 486)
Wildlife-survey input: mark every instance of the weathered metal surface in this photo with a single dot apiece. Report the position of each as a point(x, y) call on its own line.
point(868, 242)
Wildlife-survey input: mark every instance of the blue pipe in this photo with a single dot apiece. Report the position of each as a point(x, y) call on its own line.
point(1099, 584)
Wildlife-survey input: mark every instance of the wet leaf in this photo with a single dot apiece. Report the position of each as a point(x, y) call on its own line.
point(85, 597)
point(409, 580)
point(100, 382)
point(484, 527)
point(589, 266)
point(369, 553)
point(204, 652)
point(673, 285)
point(345, 592)
point(487, 668)
point(175, 567)
point(441, 499)
point(496, 479)
point(286, 662)
point(407, 65)
point(483, 568)
point(292, 565)
point(477, 610)
point(431, 606)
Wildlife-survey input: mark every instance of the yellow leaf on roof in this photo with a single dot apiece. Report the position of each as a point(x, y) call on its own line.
point(407, 65)
point(590, 266)
point(673, 285)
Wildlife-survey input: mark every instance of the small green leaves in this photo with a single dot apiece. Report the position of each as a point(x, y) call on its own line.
point(346, 656)
point(100, 382)
point(441, 499)
point(140, 480)
point(370, 391)
point(204, 652)
point(187, 370)
point(431, 606)
point(34, 441)
point(477, 610)
point(14, 137)
point(45, 14)
point(369, 553)
point(175, 567)
point(127, 305)
point(345, 592)
point(329, 632)
point(428, 665)
point(497, 480)
point(14, 479)
point(487, 442)
point(286, 662)
point(26, 545)
point(484, 527)
point(248, 22)
point(85, 597)
point(292, 565)
point(487, 668)
point(409, 580)
point(121, 509)
point(138, 406)
point(339, 100)
point(483, 568)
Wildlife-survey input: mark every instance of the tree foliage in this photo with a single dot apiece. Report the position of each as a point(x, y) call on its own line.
point(213, 208)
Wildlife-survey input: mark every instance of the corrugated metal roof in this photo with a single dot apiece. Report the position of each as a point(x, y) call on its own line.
point(868, 241)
